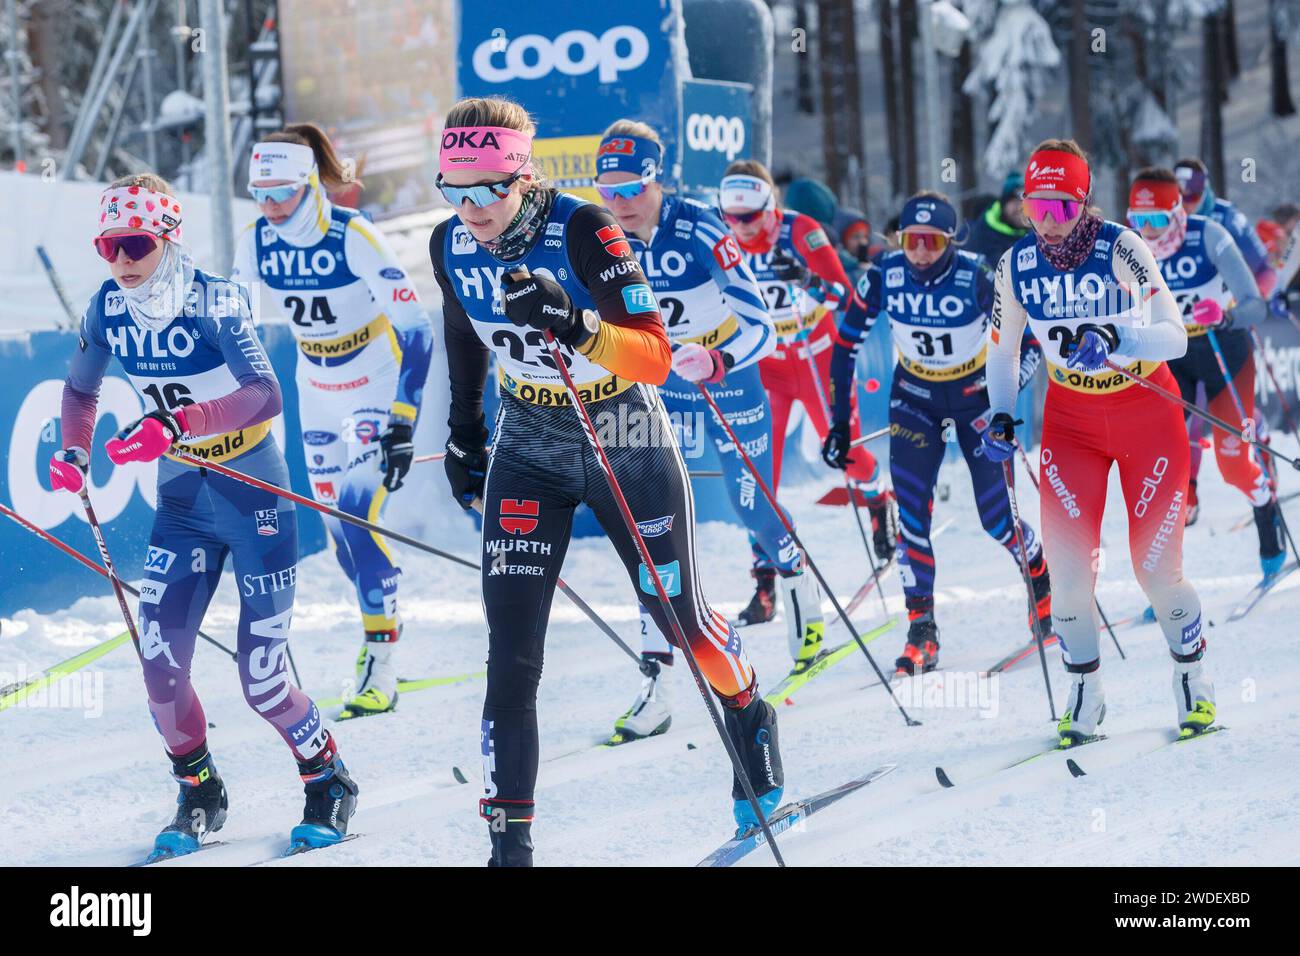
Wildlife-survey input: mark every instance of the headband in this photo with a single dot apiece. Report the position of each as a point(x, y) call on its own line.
point(488, 149)
point(1191, 181)
point(291, 161)
point(630, 154)
point(1154, 194)
point(137, 207)
point(928, 211)
point(1055, 170)
point(745, 192)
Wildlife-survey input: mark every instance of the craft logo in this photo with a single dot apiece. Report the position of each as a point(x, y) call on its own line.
point(518, 516)
point(268, 521)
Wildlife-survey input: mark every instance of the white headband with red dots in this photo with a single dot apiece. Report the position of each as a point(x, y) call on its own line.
point(138, 207)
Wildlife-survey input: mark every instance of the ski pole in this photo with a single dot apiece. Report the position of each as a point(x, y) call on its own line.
point(395, 535)
point(108, 565)
point(1023, 560)
point(1024, 460)
point(58, 285)
point(1209, 417)
point(849, 489)
point(1241, 413)
point(812, 565)
point(863, 439)
point(77, 555)
point(652, 572)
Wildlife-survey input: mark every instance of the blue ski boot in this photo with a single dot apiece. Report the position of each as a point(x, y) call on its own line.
point(200, 806)
point(752, 729)
point(1272, 546)
point(331, 801)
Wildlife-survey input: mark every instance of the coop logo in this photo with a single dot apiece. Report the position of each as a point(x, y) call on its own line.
point(573, 53)
point(715, 134)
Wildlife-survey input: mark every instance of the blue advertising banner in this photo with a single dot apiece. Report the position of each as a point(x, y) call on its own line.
point(37, 575)
point(578, 66)
point(715, 130)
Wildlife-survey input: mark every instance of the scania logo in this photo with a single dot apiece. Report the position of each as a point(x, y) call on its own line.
point(573, 53)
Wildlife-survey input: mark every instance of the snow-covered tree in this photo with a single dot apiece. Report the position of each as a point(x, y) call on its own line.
point(1012, 62)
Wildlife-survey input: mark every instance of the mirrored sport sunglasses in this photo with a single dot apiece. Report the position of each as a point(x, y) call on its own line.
point(136, 245)
point(934, 241)
point(481, 195)
point(1061, 210)
point(273, 193)
point(746, 217)
point(1156, 220)
point(624, 190)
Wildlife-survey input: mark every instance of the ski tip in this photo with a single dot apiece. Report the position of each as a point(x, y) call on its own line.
point(944, 780)
point(691, 746)
point(459, 775)
point(1075, 769)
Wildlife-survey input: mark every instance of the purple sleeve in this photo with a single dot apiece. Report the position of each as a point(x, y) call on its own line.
point(81, 388)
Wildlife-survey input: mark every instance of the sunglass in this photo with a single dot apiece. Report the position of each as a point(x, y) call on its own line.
point(1061, 210)
point(624, 190)
point(915, 241)
point(276, 194)
point(745, 217)
point(1156, 220)
point(482, 195)
point(136, 245)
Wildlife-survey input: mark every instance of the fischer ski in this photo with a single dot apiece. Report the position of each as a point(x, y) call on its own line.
point(822, 663)
point(785, 818)
point(947, 782)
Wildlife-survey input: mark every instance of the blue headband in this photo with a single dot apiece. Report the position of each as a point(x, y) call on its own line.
point(630, 154)
point(927, 211)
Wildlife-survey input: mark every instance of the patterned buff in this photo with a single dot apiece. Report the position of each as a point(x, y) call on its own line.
point(137, 207)
point(1068, 254)
point(518, 237)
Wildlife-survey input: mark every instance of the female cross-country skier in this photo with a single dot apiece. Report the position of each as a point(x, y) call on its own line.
point(786, 249)
point(1215, 290)
point(517, 260)
point(937, 300)
point(1092, 292)
point(719, 327)
point(187, 342)
point(364, 343)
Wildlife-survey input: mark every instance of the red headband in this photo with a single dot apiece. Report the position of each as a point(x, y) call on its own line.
point(1154, 194)
point(1055, 170)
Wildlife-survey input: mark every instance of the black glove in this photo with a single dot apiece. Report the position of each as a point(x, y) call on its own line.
point(835, 450)
point(466, 466)
point(396, 450)
point(788, 269)
point(541, 302)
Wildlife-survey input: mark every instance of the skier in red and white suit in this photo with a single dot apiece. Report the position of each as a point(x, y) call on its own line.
point(1093, 293)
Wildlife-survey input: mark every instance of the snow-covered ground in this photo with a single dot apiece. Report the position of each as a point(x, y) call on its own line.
point(88, 785)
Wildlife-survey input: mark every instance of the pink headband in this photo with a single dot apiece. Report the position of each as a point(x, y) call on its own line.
point(137, 207)
point(489, 149)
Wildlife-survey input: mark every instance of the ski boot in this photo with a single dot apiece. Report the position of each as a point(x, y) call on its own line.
point(1272, 546)
point(331, 799)
point(762, 606)
point(376, 677)
point(1194, 695)
point(884, 525)
point(803, 614)
point(200, 806)
point(1085, 709)
point(510, 827)
point(752, 729)
point(921, 652)
point(649, 715)
point(1041, 582)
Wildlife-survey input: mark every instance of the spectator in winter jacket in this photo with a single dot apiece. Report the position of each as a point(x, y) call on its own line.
point(1002, 223)
point(852, 235)
point(812, 198)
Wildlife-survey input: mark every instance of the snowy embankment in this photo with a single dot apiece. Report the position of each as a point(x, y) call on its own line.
point(89, 785)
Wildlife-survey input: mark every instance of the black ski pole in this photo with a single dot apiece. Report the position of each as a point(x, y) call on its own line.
point(1023, 561)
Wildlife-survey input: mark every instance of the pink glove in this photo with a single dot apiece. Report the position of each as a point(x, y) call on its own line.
point(693, 362)
point(147, 438)
point(68, 470)
point(1207, 312)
